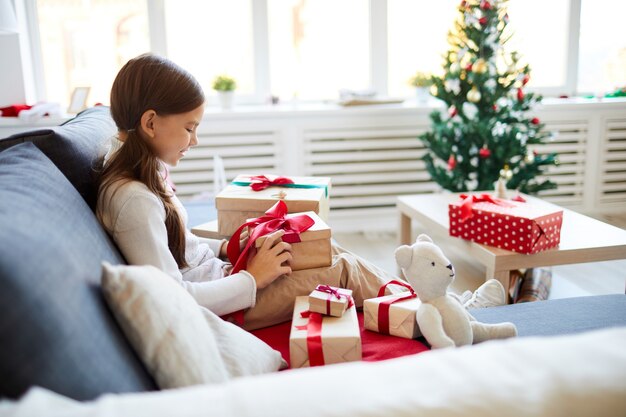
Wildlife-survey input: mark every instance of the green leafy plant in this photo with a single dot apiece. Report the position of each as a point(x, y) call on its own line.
point(421, 79)
point(224, 83)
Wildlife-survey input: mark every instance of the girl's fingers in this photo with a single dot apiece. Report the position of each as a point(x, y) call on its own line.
point(272, 238)
point(281, 247)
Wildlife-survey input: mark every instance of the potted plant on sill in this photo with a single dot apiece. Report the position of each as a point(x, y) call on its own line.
point(422, 82)
point(225, 87)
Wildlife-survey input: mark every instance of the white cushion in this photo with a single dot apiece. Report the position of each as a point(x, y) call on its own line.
point(575, 375)
point(180, 342)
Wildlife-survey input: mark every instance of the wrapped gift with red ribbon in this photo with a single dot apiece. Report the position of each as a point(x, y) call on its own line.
point(330, 301)
point(316, 339)
point(393, 314)
point(248, 196)
point(512, 225)
point(308, 235)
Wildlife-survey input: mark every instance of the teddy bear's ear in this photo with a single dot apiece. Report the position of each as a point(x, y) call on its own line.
point(423, 238)
point(404, 254)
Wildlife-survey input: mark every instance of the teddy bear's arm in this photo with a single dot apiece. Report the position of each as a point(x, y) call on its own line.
point(431, 326)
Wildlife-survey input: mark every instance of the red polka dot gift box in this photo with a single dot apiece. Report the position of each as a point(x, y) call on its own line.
point(512, 225)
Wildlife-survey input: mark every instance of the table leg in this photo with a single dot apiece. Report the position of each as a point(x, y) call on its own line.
point(405, 229)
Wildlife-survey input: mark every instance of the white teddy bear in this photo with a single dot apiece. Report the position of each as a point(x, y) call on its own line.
point(442, 319)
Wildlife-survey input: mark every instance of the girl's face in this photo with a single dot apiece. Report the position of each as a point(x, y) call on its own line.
point(174, 134)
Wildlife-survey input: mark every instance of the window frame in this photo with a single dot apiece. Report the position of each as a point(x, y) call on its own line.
point(377, 42)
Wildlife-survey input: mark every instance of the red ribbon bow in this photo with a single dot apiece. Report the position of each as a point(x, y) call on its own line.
point(261, 182)
point(469, 200)
point(383, 308)
point(337, 293)
point(273, 220)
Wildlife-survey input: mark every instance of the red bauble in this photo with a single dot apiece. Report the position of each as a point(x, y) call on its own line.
point(483, 20)
point(484, 152)
point(494, 107)
point(534, 121)
point(525, 79)
point(485, 5)
point(452, 111)
point(468, 68)
point(520, 94)
point(451, 163)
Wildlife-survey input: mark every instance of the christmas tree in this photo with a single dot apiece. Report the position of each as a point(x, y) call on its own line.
point(485, 134)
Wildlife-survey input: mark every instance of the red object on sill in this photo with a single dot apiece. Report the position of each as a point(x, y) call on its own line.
point(14, 110)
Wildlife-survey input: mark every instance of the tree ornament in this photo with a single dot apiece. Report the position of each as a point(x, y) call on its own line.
point(480, 66)
point(451, 163)
point(530, 157)
point(484, 152)
point(485, 5)
point(525, 79)
point(452, 111)
point(483, 20)
point(455, 68)
point(506, 173)
point(534, 121)
point(434, 90)
point(520, 94)
point(474, 95)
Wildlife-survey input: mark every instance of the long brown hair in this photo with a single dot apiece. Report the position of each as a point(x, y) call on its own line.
point(149, 82)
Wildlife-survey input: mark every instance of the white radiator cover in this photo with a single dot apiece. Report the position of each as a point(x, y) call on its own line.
point(373, 155)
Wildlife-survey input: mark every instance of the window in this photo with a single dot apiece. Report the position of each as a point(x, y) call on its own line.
point(541, 34)
point(212, 37)
point(310, 49)
point(84, 44)
point(317, 47)
point(417, 39)
point(602, 56)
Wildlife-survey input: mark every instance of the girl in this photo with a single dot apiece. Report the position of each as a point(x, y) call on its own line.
point(157, 107)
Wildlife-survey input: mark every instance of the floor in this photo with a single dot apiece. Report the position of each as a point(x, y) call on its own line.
point(567, 280)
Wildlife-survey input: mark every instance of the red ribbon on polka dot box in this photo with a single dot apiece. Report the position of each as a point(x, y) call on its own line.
point(511, 225)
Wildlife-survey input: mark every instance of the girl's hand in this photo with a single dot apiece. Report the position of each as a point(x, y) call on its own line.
point(243, 241)
point(271, 260)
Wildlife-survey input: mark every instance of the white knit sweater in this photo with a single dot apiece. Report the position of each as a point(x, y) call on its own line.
point(135, 219)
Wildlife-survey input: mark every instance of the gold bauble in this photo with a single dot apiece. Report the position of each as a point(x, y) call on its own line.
point(434, 90)
point(480, 66)
point(462, 76)
point(473, 95)
point(455, 68)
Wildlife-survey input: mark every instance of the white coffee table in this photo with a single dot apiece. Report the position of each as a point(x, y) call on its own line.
point(583, 239)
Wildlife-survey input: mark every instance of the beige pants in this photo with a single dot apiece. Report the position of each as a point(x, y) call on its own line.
point(274, 304)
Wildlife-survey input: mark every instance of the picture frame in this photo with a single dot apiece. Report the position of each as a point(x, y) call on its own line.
point(79, 100)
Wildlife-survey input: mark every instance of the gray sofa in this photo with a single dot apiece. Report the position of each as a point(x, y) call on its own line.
point(55, 328)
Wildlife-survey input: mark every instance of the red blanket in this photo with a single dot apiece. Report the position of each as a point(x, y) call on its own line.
point(375, 346)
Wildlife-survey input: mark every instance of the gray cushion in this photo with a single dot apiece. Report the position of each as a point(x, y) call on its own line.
point(563, 316)
point(74, 147)
point(55, 328)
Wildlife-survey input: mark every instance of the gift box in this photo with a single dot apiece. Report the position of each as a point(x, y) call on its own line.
point(250, 196)
point(330, 301)
point(317, 340)
point(399, 316)
point(313, 250)
point(512, 225)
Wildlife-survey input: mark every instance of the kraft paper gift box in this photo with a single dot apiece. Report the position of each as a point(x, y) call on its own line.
point(313, 250)
point(238, 201)
point(512, 225)
point(331, 301)
point(402, 321)
point(340, 337)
